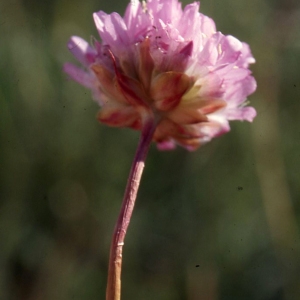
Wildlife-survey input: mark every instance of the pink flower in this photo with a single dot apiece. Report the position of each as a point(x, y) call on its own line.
point(170, 63)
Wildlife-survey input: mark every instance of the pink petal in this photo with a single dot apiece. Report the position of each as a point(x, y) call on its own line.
point(82, 50)
point(229, 49)
point(190, 21)
point(166, 145)
point(231, 73)
point(244, 114)
point(210, 86)
point(79, 75)
point(134, 18)
point(167, 10)
point(238, 92)
point(246, 56)
point(215, 127)
point(112, 29)
point(131, 13)
point(209, 55)
point(208, 26)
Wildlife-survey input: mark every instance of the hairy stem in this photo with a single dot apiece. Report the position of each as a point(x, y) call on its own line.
point(113, 290)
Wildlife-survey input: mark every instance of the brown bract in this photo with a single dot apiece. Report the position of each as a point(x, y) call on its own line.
point(169, 95)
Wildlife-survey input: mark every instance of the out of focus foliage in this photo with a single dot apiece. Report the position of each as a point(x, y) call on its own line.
point(219, 223)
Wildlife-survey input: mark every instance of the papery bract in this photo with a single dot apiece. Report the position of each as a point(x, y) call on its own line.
point(162, 60)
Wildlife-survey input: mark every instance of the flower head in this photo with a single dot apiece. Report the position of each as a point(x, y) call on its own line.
point(169, 63)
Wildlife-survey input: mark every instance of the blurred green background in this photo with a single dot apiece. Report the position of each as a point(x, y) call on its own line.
point(218, 223)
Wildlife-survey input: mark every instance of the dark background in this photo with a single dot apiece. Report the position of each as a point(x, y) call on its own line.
point(218, 223)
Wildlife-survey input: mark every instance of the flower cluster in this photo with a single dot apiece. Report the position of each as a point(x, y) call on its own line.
point(167, 63)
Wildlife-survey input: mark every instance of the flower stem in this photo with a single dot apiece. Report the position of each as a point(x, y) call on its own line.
point(113, 290)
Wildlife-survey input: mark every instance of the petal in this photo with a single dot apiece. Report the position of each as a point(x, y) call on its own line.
point(132, 10)
point(168, 11)
point(229, 49)
point(210, 53)
point(132, 15)
point(190, 21)
point(82, 50)
point(217, 126)
point(79, 75)
point(238, 92)
point(99, 22)
point(99, 96)
point(208, 86)
point(112, 29)
point(168, 88)
point(244, 114)
point(231, 73)
point(208, 26)
point(166, 145)
point(246, 58)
